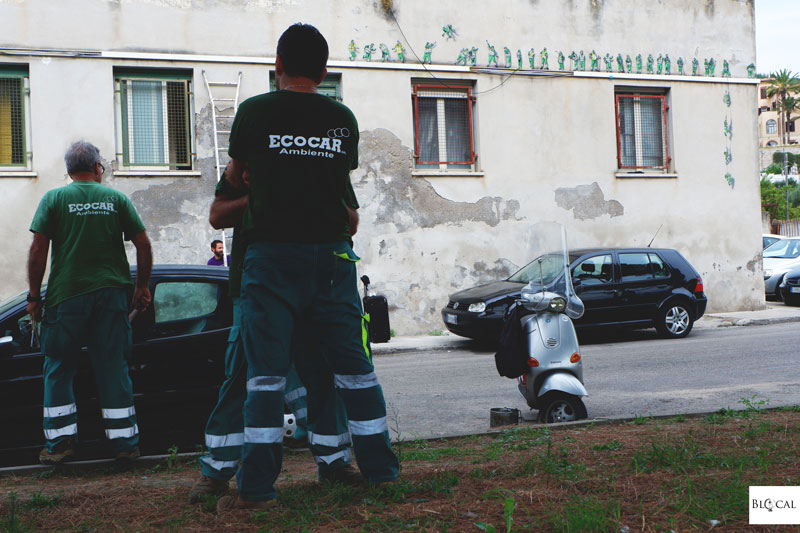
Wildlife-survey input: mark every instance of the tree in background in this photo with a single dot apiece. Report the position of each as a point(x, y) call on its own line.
point(783, 85)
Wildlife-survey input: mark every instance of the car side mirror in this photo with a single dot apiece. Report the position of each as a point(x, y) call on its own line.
point(8, 339)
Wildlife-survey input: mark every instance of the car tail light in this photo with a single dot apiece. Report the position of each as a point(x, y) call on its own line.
point(575, 358)
point(699, 286)
point(533, 362)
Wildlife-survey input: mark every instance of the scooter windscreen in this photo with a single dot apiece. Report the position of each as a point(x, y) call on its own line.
point(548, 275)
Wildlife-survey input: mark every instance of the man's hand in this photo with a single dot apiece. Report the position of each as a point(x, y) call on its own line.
point(35, 310)
point(235, 174)
point(141, 298)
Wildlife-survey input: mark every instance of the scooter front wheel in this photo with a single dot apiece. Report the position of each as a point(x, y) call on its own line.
point(557, 406)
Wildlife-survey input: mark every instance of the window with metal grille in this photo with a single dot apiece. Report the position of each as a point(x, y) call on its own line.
point(155, 119)
point(642, 131)
point(443, 132)
point(330, 86)
point(772, 126)
point(13, 150)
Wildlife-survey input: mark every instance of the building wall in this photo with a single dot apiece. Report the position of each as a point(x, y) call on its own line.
point(546, 145)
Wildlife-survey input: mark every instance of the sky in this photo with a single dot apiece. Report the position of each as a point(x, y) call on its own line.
point(777, 35)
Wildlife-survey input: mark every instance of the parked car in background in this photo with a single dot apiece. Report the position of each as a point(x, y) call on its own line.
point(630, 287)
point(779, 258)
point(769, 238)
point(177, 366)
point(789, 287)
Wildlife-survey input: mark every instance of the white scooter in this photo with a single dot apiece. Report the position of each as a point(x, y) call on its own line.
point(553, 383)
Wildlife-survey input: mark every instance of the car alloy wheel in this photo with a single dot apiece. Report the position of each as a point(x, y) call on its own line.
point(675, 321)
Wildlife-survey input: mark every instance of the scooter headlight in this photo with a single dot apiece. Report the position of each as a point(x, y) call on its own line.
point(557, 305)
point(477, 307)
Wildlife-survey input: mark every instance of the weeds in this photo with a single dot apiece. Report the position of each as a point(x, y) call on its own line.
point(509, 504)
point(172, 458)
point(42, 501)
point(614, 445)
point(639, 420)
point(11, 523)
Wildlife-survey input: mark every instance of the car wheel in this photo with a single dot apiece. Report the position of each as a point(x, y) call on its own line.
point(675, 320)
point(559, 406)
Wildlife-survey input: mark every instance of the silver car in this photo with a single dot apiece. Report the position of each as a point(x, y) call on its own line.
point(779, 258)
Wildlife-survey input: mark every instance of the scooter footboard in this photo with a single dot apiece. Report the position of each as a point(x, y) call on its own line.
point(564, 382)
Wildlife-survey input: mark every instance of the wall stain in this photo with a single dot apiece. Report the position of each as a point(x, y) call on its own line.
point(409, 202)
point(587, 202)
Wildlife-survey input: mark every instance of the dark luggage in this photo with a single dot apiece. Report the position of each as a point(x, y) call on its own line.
point(511, 358)
point(378, 310)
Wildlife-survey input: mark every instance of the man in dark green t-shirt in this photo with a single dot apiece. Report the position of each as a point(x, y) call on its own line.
point(87, 301)
point(299, 147)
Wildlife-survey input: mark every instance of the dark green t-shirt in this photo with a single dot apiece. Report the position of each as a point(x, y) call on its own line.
point(86, 223)
point(299, 148)
point(239, 245)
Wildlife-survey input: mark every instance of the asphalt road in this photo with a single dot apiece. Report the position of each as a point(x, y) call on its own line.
point(449, 392)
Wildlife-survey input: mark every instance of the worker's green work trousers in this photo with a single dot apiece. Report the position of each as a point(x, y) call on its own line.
point(99, 321)
point(284, 285)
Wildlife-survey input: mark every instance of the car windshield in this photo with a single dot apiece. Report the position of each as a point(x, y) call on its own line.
point(13, 302)
point(783, 249)
point(542, 269)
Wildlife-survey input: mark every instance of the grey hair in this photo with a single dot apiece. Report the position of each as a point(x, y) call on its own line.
point(81, 156)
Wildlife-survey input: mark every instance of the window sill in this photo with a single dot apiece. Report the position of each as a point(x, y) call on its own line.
point(446, 174)
point(629, 174)
point(157, 174)
point(18, 174)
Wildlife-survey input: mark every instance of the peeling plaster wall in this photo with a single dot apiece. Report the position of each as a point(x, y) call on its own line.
point(546, 146)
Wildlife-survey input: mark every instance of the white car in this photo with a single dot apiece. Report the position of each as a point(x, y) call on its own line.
point(769, 238)
point(779, 258)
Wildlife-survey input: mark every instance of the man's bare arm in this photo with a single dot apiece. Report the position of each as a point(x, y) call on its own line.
point(235, 174)
point(227, 212)
point(144, 266)
point(352, 213)
point(37, 263)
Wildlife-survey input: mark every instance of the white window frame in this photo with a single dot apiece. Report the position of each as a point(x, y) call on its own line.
point(25, 169)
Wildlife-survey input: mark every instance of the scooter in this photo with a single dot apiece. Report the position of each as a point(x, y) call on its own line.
point(553, 383)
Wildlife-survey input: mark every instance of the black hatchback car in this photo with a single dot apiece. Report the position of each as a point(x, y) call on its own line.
point(177, 366)
point(630, 287)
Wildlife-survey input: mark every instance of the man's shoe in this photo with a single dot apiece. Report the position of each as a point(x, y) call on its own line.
point(207, 486)
point(127, 456)
point(232, 502)
point(345, 475)
point(63, 451)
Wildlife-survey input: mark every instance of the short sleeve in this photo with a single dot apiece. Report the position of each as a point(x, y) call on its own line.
point(237, 141)
point(132, 224)
point(43, 218)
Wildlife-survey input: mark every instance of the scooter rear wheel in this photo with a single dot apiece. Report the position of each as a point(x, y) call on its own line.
point(559, 406)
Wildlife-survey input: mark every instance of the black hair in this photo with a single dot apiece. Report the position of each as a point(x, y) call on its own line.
point(214, 243)
point(303, 51)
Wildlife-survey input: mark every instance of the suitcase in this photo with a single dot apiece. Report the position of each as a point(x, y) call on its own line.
point(377, 308)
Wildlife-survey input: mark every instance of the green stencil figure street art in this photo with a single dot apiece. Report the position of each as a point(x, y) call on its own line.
point(609, 61)
point(680, 66)
point(448, 32)
point(492, 55)
point(667, 64)
point(649, 63)
point(519, 59)
point(544, 59)
point(400, 51)
point(727, 98)
point(353, 50)
point(426, 57)
point(462, 57)
point(561, 60)
point(531, 57)
point(712, 64)
point(368, 51)
point(594, 61)
point(728, 129)
point(574, 58)
point(620, 63)
point(473, 56)
point(582, 61)
point(726, 69)
point(384, 53)
point(695, 64)
point(628, 64)
point(638, 63)
point(507, 53)
point(705, 66)
point(728, 156)
point(659, 64)
point(730, 180)
point(751, 70)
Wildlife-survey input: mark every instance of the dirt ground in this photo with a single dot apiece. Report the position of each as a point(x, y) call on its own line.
point(678, 474)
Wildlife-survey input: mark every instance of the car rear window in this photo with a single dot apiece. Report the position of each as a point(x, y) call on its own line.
point(784, 249)
point(640, 266)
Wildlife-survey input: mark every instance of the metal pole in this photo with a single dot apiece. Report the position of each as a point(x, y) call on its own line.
point(786, 180)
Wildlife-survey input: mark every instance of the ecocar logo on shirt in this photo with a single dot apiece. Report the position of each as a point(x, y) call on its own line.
point(93, 208)
point(311, 146)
